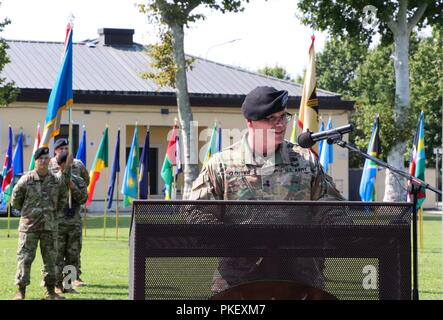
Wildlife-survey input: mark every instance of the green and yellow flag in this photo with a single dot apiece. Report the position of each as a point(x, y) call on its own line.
point(212, 147)
point(100, 162)
point(130, 179)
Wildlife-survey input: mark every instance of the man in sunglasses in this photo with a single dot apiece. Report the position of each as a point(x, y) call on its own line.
point(262, 166)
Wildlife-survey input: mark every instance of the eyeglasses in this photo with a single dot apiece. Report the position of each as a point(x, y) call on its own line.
point(285, 118)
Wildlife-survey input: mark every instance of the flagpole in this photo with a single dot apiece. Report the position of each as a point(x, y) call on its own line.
point(85, 218)
point(9, 218)
point(71, 151)
point(106, 200)
point(106, 204)
point(174, 170)
point(149, 184)
point(116, 206)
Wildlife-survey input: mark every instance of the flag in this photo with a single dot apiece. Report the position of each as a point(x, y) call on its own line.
point(308, 114)
point(212, 146)
point(417, 163)
point(320, 143)
point(8, 172)
point(219, 139)
point(178, 156)
point(130, 178)
point(36, 144)
point(326, 153)
point(168, 163)
point(61, 95)
point(17, 158)
point(144, 169)
point(367, 183)
point(294, 130)
point(100, 162)
point(81, 152)
point(115, 169)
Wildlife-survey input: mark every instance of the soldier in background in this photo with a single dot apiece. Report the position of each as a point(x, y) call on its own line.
point(69, 227)
point(38, 195)
point(262, 166)
point(78, 170)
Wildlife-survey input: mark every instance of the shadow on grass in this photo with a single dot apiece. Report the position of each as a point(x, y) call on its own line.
point(103, 286)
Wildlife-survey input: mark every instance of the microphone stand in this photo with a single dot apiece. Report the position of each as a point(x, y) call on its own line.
point(415, 186)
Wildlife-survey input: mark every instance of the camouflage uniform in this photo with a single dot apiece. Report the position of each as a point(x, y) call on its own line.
point(69, 238)
point(292, 173)
point(38, 198)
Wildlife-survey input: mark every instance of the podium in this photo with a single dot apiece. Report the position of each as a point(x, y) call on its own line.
point(348, 250)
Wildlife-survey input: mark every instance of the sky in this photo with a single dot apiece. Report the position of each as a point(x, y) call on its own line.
point(267, 33)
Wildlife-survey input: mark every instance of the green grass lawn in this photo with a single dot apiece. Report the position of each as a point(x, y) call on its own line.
point(105, 263)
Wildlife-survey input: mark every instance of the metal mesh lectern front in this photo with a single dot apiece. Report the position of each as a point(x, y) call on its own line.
point(194, 249)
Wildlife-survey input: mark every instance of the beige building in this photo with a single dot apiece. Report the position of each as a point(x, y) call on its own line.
point(109, 91)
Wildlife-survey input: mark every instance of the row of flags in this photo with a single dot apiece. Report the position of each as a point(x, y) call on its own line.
point(136, 176)
point(417, 163)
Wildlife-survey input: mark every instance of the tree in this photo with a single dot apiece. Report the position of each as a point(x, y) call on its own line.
point(7, 91)
point(173, 16)
point(276, 72)
point(337, 65)
point(426, 74)
point(396, 19)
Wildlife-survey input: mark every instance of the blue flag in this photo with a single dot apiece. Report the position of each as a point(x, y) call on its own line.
point(115, 169)
point(144, 170)
point(17, 158)
point(81, 152)
point(367, 183)
point(8, 172)
point(130, 178)
point(61, 95)
point(219, 139)
point(320, 143)
point(326, 155)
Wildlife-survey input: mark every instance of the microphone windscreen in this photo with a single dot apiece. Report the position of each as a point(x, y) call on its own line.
point(304, 140)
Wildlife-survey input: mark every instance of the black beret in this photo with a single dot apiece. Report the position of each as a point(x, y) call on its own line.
point(263, 101)
point(40, 151)
point(60, 143)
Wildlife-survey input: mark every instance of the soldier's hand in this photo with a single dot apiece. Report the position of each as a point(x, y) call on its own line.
point(72, 185)
point(69, 159)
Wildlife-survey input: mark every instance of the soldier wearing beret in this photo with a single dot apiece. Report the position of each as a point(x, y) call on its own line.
point(262, 166)
point(70, 222)
point(38, 196)
point(69, 231)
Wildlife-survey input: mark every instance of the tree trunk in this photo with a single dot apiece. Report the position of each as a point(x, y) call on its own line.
point(394, 190)
point(190, 168)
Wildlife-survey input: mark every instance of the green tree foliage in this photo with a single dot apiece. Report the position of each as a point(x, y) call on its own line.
point(162, 57)
point(344, 17)
point(337, 65)
point(276, 72)
point(374, 89)
point(396, 22)
point(426, 74)
point(7, 91)
point(172, 16)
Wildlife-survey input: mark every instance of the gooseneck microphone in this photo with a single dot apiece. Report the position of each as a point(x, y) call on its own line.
point(308, 139)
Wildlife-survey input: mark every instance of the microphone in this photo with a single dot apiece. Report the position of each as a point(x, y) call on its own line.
point(308, 139)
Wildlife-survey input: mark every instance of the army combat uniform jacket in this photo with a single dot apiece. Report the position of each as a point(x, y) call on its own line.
point(39, 199)
point(292, 173)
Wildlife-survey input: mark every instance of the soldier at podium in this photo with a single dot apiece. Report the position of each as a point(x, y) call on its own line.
point(263, 166)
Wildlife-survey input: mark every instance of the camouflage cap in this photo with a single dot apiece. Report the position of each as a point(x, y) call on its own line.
point(263, 101)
